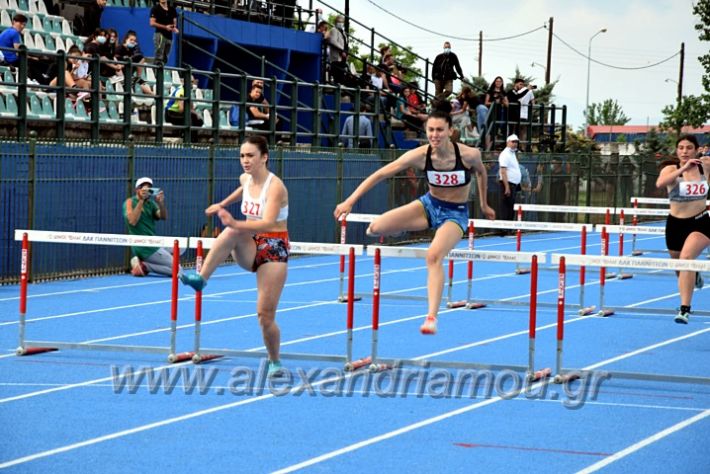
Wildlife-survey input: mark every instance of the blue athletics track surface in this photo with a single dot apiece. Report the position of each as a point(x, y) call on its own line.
point(101, 411)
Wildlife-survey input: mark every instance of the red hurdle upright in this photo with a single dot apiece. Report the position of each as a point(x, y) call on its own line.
point(24, 277)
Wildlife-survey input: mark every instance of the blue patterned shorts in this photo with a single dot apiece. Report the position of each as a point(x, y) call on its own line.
point(438, 212)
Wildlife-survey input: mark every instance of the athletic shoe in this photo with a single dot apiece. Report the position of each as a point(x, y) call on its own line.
point(429, 326)
point(682, 317)
point(138, 268)
point(699, 282)
point(194, 280)
point(275, 369)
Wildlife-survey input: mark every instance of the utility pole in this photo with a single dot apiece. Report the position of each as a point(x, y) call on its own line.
point(549, 51)
point(680, 73)
point(480, 53)
point(679, 100)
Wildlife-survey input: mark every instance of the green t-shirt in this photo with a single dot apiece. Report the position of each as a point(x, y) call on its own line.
point(144, 226)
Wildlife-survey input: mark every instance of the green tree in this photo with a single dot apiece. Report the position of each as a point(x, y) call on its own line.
point(693, 110)
point(655, 143)
point(578, 143)
point(608, 112)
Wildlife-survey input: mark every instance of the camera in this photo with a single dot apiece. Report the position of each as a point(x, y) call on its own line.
point(153, 191)
point(532, 87)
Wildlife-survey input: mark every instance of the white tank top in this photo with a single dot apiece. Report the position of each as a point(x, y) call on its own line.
point(253, 208)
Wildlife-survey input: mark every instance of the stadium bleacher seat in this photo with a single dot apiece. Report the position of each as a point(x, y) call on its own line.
point(5, 19)
point(10, 106)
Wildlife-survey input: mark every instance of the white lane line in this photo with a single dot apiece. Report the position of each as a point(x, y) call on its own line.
point(644, 442)
point(430, 421)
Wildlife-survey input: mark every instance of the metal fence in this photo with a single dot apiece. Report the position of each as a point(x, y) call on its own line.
point(81, 187)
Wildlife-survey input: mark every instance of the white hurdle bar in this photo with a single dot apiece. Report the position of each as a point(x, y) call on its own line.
point(563, 374)
point(635, 230)
point(29, 347)
point(201, 354)
point(634, 262)
point(378, 363)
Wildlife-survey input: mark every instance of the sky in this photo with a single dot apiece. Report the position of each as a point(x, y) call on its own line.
point(639, 33)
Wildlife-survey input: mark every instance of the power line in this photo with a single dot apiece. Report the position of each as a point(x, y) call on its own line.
point(626, 68)
point(461, 38)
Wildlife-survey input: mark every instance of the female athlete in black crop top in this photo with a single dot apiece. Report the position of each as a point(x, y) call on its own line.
point(444, 208)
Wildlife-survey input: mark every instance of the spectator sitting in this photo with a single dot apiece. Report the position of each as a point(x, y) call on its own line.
point(477, 109)
point(258, 107)
point(394, 76)
point(11, 38)
point(76, 74)
point(364, 129)
point(94, 48)
point(410, 117)
point(175, 109)
point(129, 49)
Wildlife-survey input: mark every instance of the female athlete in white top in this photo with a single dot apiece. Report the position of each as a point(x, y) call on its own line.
point(259, 243)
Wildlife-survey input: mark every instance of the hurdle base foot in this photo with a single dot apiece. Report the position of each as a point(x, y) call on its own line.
point(344, 299)
point(522, 271)
point(182, 357)
point(636, 253)
point(625, 276)
point(357, 364)
point(379, 367)
point(610, 276)
point(565, 378)
point(539, 374)
point(587, 311)
point(200, 358)
point(456, 304)
point(475, 305)
point(28, 351)
point(605, 313)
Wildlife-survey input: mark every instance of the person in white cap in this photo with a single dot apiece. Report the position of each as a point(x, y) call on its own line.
point(141, 211)
point(509, 177)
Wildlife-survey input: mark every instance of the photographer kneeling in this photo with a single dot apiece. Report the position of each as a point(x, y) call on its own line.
point(141, 212)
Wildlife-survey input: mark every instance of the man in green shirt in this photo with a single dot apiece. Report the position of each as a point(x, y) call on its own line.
point(141, 212)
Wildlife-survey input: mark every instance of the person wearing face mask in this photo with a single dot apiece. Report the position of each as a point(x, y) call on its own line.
point(163, 18)
point(446, 68)
point(94, 47)
point(509, 177)
point(337, 40)
point(129, 49)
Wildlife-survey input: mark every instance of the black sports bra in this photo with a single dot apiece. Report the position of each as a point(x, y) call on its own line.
point(454, 178)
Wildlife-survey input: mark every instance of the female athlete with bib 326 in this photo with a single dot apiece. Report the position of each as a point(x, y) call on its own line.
point(258, 244)
point(448, 168)
point(688, 224)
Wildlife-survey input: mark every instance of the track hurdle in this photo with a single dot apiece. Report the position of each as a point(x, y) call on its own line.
point(562, 374)
point(379, 363)
point(201, 354)
point(344, 220)
point(635, 262)
point(30, 347)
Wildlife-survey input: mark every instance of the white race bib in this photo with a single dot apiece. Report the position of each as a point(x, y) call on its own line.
point(446, 178)
point(693, 188)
